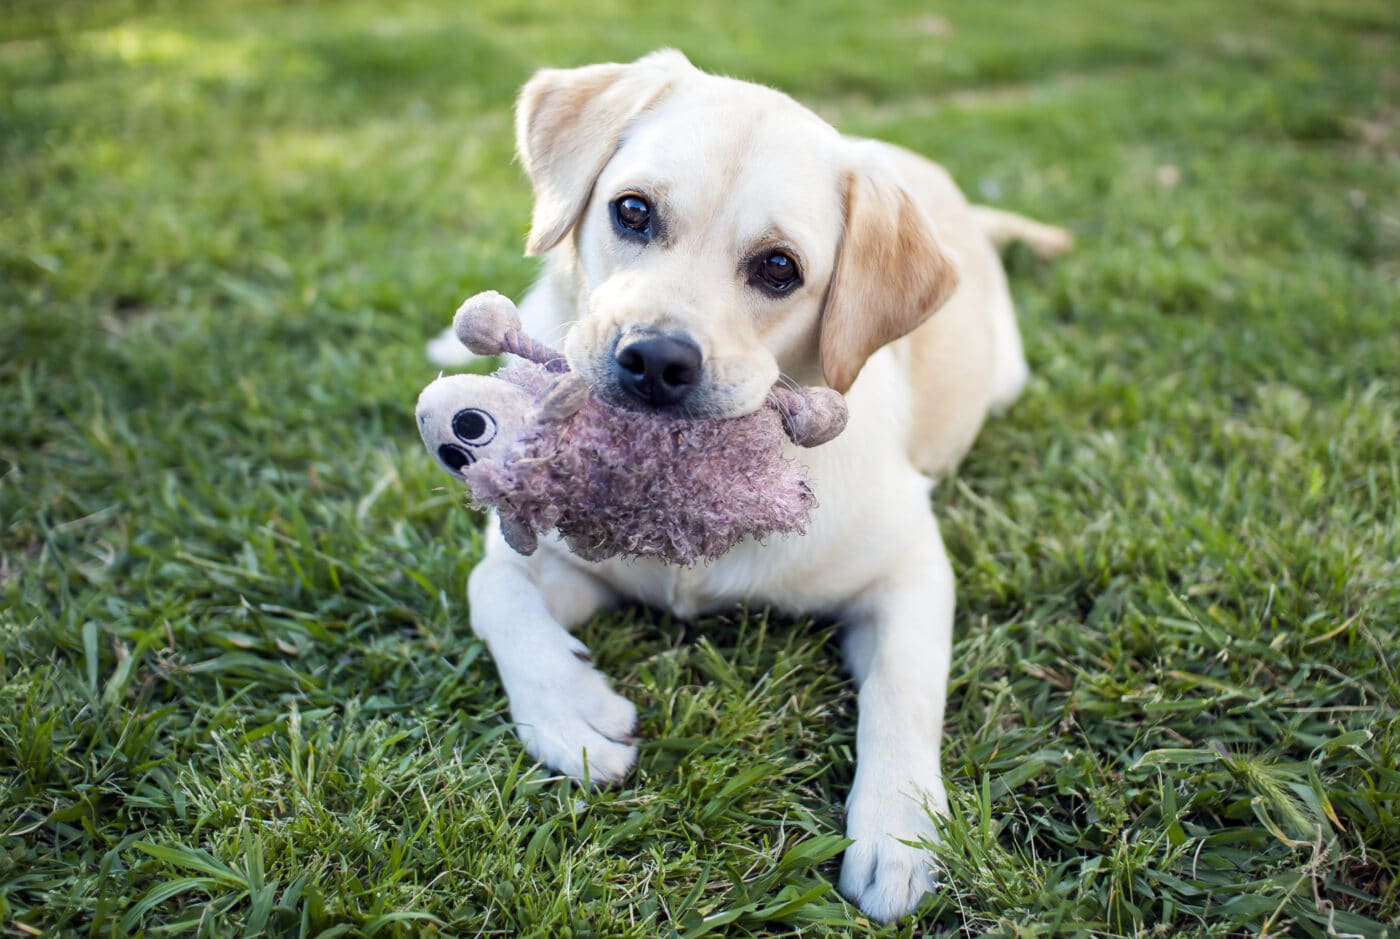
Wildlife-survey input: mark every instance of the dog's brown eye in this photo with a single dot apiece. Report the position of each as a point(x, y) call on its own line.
point(778, 271)
point(633, 213)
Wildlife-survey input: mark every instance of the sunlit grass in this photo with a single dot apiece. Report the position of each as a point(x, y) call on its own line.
point(238, 694)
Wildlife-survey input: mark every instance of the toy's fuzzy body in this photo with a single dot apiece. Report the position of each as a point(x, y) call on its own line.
point(533, 443)
point(618, 482)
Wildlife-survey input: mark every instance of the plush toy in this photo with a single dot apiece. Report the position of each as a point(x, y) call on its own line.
point(535, 444)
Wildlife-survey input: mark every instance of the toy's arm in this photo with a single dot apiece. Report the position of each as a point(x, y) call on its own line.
point(488, 324)
point(811, 416)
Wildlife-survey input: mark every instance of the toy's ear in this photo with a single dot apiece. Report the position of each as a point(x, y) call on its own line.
point(467, 418)
point(568, 123)
point(891, 271)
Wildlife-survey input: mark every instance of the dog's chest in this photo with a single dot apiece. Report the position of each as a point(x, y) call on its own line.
point(865, 490)
point(786, 573)
point(751, 573)
point(688, 592)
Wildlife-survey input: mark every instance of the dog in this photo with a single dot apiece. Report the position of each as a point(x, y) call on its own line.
point(705, 238)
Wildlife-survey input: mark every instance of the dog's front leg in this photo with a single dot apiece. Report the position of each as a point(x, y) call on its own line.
point(566, 715)
point(898, 646)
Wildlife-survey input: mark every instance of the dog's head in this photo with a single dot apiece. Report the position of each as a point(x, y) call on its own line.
point(721, 235)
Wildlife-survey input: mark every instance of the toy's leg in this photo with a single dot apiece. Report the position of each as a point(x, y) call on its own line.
point(898, 646)
point(566, 715)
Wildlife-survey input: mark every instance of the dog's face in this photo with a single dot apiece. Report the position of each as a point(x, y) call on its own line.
point(705, 248)
point(722, 234)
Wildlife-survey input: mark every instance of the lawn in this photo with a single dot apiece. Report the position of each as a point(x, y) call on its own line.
point(238, 693)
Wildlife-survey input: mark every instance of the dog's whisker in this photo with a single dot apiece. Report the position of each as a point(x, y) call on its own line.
point(788, 382)
point(561, 330)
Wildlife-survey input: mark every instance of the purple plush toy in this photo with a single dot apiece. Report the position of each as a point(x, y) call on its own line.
point(534, 443)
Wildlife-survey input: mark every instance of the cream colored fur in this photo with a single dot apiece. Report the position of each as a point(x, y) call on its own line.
point(904, 305)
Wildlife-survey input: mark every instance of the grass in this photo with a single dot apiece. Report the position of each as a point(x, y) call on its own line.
point(238, 694)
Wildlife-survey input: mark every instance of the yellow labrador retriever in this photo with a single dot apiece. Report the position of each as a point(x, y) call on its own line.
point(705, 238)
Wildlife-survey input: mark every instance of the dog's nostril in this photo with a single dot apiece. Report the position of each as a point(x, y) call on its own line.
point(631, 360)
point(678, 375)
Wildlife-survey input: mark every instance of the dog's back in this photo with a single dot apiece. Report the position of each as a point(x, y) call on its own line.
point(966, 360)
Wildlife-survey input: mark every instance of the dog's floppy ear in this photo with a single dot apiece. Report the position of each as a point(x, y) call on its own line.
point(568, 123)
point(891, 273)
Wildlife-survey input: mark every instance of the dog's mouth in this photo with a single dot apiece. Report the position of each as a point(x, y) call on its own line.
point(650, 371)
point(706, 403)
point(665, 371)
point(610, 394)
point(704, 400)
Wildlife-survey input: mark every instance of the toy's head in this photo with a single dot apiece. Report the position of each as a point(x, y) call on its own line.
point(467, 418)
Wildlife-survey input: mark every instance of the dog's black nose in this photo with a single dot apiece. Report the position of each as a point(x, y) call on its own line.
point(658, 371)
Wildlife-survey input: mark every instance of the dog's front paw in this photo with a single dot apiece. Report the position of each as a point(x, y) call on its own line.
point(881, 873)
point(885, 877)
point(570, 720)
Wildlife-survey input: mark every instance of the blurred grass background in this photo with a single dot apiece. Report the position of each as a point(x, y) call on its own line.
point(237, 690)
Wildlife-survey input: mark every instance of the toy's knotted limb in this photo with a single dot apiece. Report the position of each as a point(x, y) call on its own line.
point(811, 416)
point(488, 324)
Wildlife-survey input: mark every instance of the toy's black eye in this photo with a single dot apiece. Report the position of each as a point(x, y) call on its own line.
point(778, 271)
point(633, 213)
point(474, 426)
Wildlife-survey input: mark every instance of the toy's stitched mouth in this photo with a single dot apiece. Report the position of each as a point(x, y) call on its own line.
point(454, 457)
